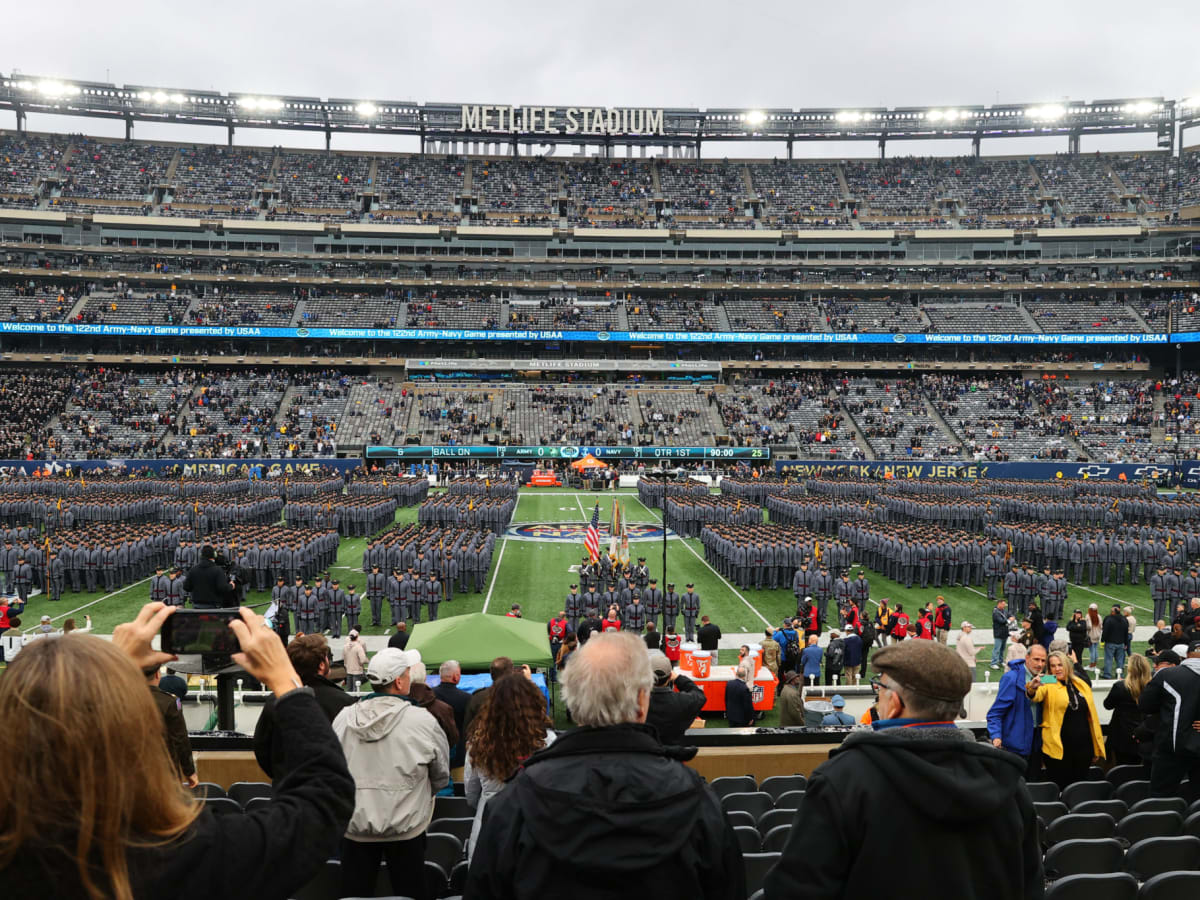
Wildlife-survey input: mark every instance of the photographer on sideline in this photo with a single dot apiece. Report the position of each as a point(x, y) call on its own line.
point(209, 584)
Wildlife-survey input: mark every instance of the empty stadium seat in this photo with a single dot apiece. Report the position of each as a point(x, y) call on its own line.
point(1171, 886)
point(757, 865)
point(1043, 791)
point(734, 784)
point(243, 792)
point(1156, 855)
point(207, 789)
point(1160, 804)
point(1076, 826)
point(460, 828)
point(1137, 826)
point(1048, 812)
point(1120, 775)
point(255, 803)
point(452, 808)
point(774, 818)
point(1133, 791)
point(1112, 886)
point(1077, 793)
point(755, 803)
point(444, 849)
point(1191, 825)
point(221, 805)
point(437, 878)
point(789, 800)
point(458, 877)
point(738, 818)
point(776, 839)
point(777, 785)
point(749, 840)
point(1083, 857)
point(1114, 808)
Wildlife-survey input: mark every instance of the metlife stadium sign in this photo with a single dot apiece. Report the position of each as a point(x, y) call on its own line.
point(680, 337)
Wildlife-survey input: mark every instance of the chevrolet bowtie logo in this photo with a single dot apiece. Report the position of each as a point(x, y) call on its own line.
point(1092, 471)
point(1150, 471)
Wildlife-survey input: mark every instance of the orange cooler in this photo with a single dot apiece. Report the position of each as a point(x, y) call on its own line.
point(702, 663)
point(685, 655)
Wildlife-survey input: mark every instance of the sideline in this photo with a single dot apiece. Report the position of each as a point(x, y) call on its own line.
point(93, 603)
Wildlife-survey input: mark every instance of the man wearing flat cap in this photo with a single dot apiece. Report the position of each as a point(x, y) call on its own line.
point(914, 773)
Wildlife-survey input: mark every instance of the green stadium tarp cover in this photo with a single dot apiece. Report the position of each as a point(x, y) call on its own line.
point(476, 639)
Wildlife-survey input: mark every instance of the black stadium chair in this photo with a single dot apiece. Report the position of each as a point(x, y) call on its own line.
point(755, 803)
point(244, 791)
point(460, 828)
point(1154, 856)
point(774, 818)
point(1081, 791)
point(1080, 826)
point(206, 790)
point(258, 803)
point(1095, 773)
point(458, 877)
point(437, 879)
point(1191, 825)
point(1083, 858)
point(1120, 775)
point(757, 866)
point(452, 808)
point(776, 839)
point(749, 840)
point(1048, 812)
point(734, 784)
point(1141, 825)
point(738, 818)
point(1160, 804)
point(221, 806)
point(1171, 886)
point(1114, 808)
point(781, 784)
point(1043, 791)
point(1113, 886)
point(789, 800)
point(443, 849)
point(1133, 791)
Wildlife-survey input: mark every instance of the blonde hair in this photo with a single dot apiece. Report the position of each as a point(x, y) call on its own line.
point(131, 797)
point(1068, 666)
point(1138, 673)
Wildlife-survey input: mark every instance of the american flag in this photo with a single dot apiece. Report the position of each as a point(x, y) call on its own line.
point(591, 539)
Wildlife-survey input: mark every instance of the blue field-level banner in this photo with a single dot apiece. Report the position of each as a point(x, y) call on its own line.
point(678, 337)
point(188, 468)
point(567, 452)
point(970, 471)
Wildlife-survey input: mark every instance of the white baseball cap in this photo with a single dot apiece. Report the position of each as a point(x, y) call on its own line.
point(389, 664)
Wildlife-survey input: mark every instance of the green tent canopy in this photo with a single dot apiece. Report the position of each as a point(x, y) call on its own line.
point(476, 639)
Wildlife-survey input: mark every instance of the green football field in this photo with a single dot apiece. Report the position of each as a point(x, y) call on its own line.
point(537, 575)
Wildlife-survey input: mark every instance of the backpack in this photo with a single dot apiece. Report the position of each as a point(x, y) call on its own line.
point(834, 656)
point(792, 648)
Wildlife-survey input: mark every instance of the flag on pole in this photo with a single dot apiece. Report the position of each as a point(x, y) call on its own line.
point(614, 529)
point(591, 538)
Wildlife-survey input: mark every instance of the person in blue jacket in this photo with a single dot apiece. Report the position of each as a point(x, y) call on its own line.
point(1012, 718)
point(810, 659)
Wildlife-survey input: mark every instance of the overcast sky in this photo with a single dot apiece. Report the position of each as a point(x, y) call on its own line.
point(649, 53)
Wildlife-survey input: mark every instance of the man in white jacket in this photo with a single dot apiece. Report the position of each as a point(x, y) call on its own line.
point(399, 758)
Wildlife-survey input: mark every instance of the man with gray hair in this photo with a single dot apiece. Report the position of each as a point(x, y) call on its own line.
point(448, 691)
point(609, 783)
point(915, 773)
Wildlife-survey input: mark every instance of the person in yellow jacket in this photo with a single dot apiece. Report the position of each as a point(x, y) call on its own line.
point(1071, 737)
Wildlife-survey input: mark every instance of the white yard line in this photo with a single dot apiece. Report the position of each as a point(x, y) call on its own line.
point(495, 574)
point(1115, 600)
point(94, 602)
point(582, 511)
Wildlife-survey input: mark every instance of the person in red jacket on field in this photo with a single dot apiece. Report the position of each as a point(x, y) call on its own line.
point(924, 630)
point(612, 621)
point(854, 619)
point(899, 624)
point(671, 643)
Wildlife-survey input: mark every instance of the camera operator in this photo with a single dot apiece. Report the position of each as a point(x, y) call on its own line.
point(209, 583)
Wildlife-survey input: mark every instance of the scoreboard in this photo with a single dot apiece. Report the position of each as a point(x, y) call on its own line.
point(568, 452)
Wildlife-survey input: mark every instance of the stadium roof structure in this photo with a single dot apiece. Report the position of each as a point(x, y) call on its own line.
point(589, 125)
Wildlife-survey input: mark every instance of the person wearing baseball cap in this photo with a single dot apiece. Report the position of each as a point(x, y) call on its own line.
point(1172, 698)
point(400, 758)
point(675, 700)
point(915, 772)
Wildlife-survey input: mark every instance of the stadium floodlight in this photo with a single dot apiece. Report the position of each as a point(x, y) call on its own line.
point(367, 110)
point(1191, 102)
point(755, 117)
point(935, 115)
point(262, 104)
point(849, 116)
point(1047, 113)
point(25, 85)
point(1140, 108)
point(57, 89)
point(177, 98)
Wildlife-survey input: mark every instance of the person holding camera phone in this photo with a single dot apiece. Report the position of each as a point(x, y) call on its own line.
point(1070, 725)
point(209, 584)
point(130, 829)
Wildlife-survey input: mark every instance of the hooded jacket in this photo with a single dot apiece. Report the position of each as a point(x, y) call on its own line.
point(1010, 717)
point(673, 708)
point(1173, 696)
point(616, 788)
point(399, 758)
point(938, 783)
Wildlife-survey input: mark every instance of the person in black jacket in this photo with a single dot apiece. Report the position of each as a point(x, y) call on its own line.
point(170, 844)
point(739, 704)
point(208, 584)
point(612, 784)
point(675, 701)
point(1173, 697)
point(1114, 635)
point(448, 691)
point(309, 655)
point(914, 774)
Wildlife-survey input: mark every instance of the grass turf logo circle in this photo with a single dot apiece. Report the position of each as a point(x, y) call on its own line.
point(573, 532)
